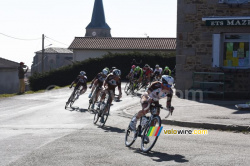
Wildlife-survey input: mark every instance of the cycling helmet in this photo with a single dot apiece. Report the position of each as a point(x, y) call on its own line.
point(151, 69)
point(119, 71)
point(113, 68)
point(146, 65)
point(167, 80)
point(82, 73)
point(157, 66)
point(116, 72)
point(133, 66)
point(166, 68)
point(106, 68)
point(137, 68)
point(104, 71)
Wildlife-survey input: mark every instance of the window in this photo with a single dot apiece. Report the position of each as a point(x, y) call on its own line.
point(236, 50)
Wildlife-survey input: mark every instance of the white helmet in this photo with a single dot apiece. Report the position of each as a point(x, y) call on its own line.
point(157, 66)
point(119, 71)
point(167, 79)
point(116, 72)
point(104, 71)
point(82, 73)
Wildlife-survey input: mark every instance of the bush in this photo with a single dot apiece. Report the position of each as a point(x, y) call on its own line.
point(65, 75)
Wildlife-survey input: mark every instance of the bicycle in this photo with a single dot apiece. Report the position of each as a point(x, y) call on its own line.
point(144, 130)
point(92, 100)
point(130, 87)
point(104, 107)
point(74, 95)
point(144, 83)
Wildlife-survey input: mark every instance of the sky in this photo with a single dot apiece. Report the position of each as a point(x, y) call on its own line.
point(24, 21)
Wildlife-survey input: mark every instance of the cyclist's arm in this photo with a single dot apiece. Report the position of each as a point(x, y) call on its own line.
point(169, 99)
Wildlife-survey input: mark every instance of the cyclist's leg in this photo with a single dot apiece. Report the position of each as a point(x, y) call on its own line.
point(142, 112)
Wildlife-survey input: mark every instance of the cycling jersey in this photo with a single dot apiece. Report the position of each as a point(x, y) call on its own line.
point(158, 71)
point(157, 93)
point(138, 74)
point(113, 81)
point(166, 72)
point(147, 71)
point(82, 80)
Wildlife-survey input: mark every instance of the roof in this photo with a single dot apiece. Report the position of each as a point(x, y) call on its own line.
point(5, 63)
point(117, 43)
point(98, 17)
point(54, 50)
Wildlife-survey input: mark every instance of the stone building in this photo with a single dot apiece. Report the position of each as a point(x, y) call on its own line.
point(53, 58)
point(213, 38)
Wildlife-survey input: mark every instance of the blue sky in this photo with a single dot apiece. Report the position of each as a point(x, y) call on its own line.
point(62, 20)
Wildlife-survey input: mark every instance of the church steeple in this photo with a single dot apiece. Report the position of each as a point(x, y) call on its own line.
point(98, 26)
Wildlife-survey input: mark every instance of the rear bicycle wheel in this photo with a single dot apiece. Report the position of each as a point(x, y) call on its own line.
point(148, 139)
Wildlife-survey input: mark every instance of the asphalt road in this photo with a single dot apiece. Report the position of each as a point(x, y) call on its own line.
point(37, 130)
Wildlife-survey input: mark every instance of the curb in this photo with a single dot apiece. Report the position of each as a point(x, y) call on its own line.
point(207, 125)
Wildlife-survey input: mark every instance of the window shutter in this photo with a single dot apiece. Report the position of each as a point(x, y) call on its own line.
point(216, 50)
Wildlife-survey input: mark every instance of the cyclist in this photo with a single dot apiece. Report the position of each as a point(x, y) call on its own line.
point(98, 82)
point(138, 74)
point(158, 90)
point(82, 80)
point(130, 74)
point(157, 72)
point(147, 72)
point(111, 82)
point(166, 71)
point(112, 69)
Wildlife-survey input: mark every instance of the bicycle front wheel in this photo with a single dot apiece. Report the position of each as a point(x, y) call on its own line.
point(104, 115)
point(150, 134)
point(130, 136)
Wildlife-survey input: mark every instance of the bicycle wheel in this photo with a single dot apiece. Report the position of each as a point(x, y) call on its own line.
point(104, 115)
point(130, 136)
point(96, 117)
point(69, 100)
point(73, 98)
point(92, 100)
point(127, 88)
point(150, 134)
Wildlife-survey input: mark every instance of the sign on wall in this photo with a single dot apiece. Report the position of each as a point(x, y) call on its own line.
point(240, 22)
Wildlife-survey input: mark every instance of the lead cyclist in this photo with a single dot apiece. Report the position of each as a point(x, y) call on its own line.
point(157, 91)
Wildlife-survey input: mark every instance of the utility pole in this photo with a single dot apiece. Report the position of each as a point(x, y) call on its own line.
point(42, 53)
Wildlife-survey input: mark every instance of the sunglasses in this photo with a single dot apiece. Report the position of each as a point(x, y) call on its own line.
point(167, 85)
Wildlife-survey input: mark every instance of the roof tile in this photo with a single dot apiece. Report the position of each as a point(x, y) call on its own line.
point(114, 43)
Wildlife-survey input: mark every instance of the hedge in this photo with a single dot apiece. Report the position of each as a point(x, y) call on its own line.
point(123, 61)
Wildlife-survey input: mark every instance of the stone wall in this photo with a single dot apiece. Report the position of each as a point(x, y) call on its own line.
point(194, 39)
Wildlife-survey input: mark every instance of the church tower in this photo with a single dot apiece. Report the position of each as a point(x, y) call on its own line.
point(98, 26)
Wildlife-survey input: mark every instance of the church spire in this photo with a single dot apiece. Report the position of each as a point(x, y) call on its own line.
point(98, 26)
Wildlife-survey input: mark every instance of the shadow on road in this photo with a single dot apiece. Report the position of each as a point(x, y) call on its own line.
point(77, 109)
point(113, 129)
point(160, 157)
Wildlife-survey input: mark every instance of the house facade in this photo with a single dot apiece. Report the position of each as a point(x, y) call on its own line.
point(9, 82)
point(213, 36)
point(93, 47)
point(53, 58)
